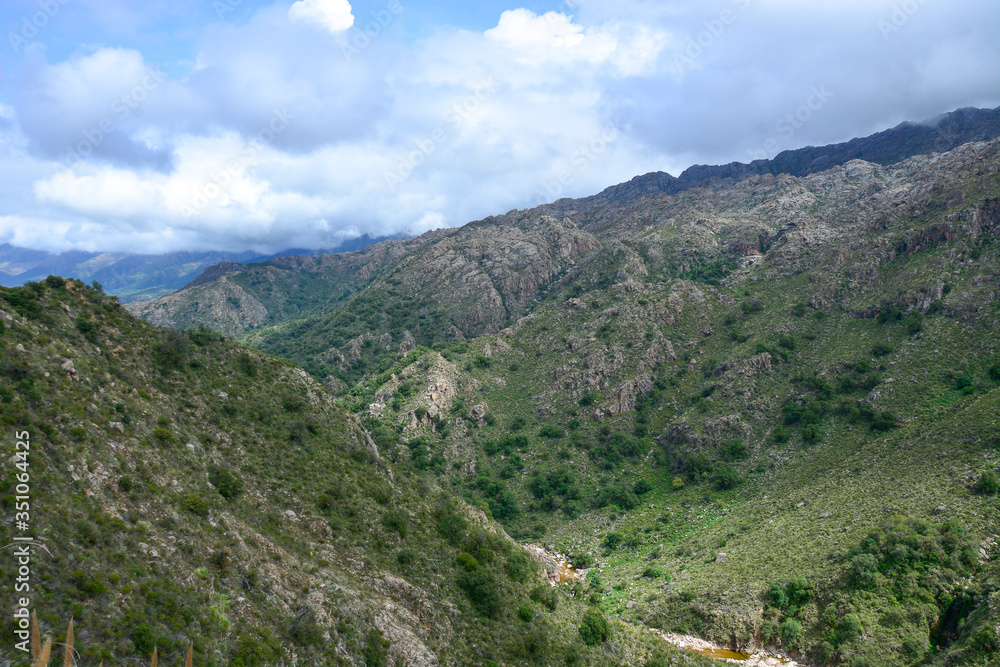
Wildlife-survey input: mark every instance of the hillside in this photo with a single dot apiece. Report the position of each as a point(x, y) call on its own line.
point(184, 488)
point(237, 300)
point(767, 404)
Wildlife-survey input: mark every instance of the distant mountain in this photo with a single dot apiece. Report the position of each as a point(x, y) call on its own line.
point(936, 135)
point(137, 277)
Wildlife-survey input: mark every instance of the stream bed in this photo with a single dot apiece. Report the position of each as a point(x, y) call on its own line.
point(759, 658)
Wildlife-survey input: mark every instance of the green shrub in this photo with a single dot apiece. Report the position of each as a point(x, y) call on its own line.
point(164, 435)
point(518, 567)
point(595, 628)
point(863, 569)
point(397, 520)
point(882, 349)
point(642, 487)
point(482, 588)
point(226, 483)
point(790, 631)
point(525, 613)
point(613, 540)
point(195, 504)
point(467, 561)
point(735, 450)
point(545, 595)
point(988, 484)
point(725, 477)
point(376, 649)
point(551, 431)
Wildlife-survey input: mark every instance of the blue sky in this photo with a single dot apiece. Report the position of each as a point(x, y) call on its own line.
point(158, 125)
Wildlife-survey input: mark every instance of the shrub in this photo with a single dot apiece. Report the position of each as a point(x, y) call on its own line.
point(551, 431)
point(405, 558)
point(994, 372)
point(483, 590)
point(195, 504)
point(525, 613)
point(988, 484)
point(642, 487)
point(467, 561)
point(790, 631)
point(677, 483)
point(545, 595)
point(787, 342)
point(162, 434)
point(613, 540)
point(735, 450)
point(863, 570)
point(376, 649)
point(595, 628)
point(397, 520)
point(881, 350)
point(725, 477)
point(587, 399)
point(518, 567)
point(226, 483)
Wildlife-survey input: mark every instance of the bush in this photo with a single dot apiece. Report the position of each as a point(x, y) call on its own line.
point(396, 520)
point(467, 561)
point(677, 483)
point(595, 628)
point(864, 567)
point(376, 649)
point(790, 631)
point(195, 504)
point(735, 450)
point(551, 431)
point(642, 487)
point(882, 349)
point(226, 483)
point(725, 477)
point(525, 613)
point(518, 567)
point(545, 595)
point(483, 590)
point(613, 540)
point(988, 484)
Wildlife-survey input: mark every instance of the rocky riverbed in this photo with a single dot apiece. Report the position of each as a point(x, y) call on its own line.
point(756, 659)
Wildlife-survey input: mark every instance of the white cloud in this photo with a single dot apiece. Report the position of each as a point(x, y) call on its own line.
point(554, 39)
point(333, 15)
point(471, 123)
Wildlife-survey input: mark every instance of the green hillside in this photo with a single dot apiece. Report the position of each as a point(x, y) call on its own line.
point(765, 408)
point(184, 488)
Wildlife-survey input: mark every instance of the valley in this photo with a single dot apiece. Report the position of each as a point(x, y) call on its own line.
point(763, 411)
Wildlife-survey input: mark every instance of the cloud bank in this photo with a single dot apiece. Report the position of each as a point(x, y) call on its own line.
point(303, 124)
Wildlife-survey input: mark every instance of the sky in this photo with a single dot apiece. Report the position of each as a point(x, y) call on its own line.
point(161, 125)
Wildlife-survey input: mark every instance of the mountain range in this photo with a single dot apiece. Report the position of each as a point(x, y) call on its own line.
point(757, 404)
